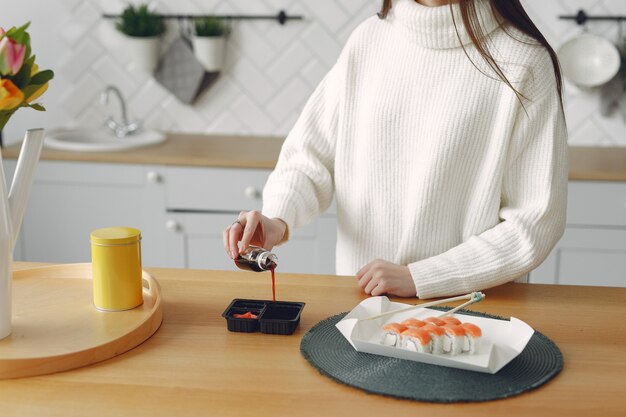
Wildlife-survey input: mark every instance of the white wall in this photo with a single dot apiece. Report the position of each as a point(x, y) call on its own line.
point(271, 69)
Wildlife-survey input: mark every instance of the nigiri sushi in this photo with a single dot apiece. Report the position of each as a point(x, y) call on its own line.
point(391, 337)
point(472, 337)
point(434, 320)
point(455, 338)
point(437, 335)
point(412, 322)
point(451, 320)
point(417, 340)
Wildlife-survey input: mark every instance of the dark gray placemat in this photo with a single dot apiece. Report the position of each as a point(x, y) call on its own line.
point(328, 351)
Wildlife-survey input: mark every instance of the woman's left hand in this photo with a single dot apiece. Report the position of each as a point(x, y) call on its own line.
point(381, 277)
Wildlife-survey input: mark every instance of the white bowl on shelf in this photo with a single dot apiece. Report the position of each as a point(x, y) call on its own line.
point(589, 60)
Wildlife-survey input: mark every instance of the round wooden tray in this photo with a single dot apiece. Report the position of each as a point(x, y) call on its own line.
point(56, 326)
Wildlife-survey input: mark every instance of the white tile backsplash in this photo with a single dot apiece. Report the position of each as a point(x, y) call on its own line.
point(270, 69)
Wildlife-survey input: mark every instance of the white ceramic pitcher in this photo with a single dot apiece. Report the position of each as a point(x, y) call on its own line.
point(12, 206)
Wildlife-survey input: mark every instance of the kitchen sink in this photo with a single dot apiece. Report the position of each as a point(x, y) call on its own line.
point(99, 139)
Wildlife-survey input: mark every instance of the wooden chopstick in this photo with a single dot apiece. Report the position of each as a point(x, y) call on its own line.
point(465, 304)
point(472, 297)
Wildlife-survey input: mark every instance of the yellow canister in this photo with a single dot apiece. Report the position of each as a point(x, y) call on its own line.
point(116, 267)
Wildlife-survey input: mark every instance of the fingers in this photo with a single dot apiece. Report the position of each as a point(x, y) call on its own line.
point(253, 221)
point(371, 285)
point(234, 235)
point(364, 277)
point(247, 229)
point(371, 278)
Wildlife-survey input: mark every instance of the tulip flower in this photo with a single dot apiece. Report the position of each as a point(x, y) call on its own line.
point(11, 55)
point(21, 81)
point(10, 96)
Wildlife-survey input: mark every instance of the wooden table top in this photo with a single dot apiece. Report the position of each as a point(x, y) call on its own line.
point(193, 366)
point(586, 163)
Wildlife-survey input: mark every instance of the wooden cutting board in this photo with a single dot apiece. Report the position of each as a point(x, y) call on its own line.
point(56, 326)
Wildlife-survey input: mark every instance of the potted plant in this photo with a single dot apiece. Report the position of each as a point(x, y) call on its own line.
point(208, 42)
point(142, 29)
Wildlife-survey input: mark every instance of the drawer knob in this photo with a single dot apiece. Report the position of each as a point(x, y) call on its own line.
point(153, 177)
point(252, 192)
point(172, 226)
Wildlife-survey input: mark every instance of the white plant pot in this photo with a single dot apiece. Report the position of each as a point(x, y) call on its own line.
point(144, 52)
point(209, 51)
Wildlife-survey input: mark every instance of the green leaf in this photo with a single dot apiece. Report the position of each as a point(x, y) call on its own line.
point(140, 22)
point(30, 60)
point(35, 106)
point(42, 77)
point(20, 35)
point(30, 89)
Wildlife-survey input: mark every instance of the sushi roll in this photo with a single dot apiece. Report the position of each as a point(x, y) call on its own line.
point(451, 320)
point(472, 337)
point(454, 339)
point(413, 322)
point(434, 320)
point(417, 340)
point(437, 334)
point(391, 335)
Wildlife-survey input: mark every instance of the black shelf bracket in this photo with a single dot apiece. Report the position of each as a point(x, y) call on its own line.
point(281, 17)
point(581, 17)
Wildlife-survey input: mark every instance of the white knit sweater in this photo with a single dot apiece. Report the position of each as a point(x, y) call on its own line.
point(433, 163)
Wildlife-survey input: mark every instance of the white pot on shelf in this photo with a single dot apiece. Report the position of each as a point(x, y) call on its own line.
point(209, 51)
point(144, 51)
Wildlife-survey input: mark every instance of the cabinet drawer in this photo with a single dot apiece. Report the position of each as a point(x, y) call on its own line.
point(596, 203)
point(586, 256)
point(215, 189)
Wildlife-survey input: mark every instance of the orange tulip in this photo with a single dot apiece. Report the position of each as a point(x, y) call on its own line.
point(10, 95)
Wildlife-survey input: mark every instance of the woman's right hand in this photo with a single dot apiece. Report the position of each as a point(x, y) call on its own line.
point(253, 228)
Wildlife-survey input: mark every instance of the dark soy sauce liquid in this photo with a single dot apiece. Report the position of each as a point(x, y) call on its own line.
point(273, 283)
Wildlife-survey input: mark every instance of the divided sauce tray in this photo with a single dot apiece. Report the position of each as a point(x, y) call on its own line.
point(273, 317)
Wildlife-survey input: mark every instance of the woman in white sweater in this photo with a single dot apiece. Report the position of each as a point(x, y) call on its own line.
point(440, 133)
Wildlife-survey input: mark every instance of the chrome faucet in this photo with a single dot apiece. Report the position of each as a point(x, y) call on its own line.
point(124, 128)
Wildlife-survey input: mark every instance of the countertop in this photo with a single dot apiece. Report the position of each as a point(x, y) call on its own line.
point(586, 163)
point(182, 149)
point(192, 366)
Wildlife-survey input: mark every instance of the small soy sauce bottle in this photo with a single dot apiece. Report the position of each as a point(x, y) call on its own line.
point(256, 259)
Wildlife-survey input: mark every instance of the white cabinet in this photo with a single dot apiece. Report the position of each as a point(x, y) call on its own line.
point(70, 199)
point(201, 202)
point(180, 211)
point(592, 250)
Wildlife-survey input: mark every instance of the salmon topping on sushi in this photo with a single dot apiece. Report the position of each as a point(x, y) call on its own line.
point(472, 330)
point(432, 329)
point(437, 334)
point(451, 320)
point(436, 321)
point(413, 322)
point(394, 327)
point(454, 340)
point(454, 330)
point(392, 334)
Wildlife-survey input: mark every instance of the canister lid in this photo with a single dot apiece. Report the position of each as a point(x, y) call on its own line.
point(115, 235)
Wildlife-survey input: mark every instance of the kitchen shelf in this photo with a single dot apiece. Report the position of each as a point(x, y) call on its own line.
point(282, 17)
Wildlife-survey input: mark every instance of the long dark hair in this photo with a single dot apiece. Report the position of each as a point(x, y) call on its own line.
point(514, 14)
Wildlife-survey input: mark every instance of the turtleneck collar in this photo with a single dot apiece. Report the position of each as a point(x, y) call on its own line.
point(433, 27)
